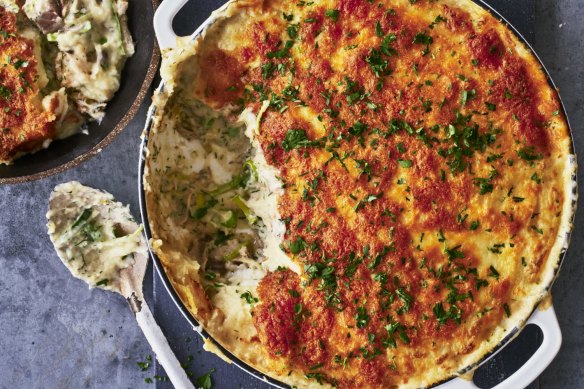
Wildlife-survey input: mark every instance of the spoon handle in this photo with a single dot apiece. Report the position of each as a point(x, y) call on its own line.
point(160, 346)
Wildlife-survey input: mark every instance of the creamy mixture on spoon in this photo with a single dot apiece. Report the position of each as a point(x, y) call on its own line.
point(95, 236)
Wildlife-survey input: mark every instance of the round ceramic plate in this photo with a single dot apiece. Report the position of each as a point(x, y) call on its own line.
point(137, 76)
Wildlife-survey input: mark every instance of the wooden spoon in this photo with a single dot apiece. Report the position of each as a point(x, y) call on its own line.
point(100, 243)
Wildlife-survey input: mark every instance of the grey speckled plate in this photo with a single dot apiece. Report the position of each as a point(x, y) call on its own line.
point(137, 76)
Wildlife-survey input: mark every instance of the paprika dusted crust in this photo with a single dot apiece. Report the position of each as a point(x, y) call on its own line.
point(24, 123)
point(425, 194)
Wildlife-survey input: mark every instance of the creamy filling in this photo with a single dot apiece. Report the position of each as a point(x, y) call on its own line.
point(264, 202)
point(225, 197)
point(92, 49)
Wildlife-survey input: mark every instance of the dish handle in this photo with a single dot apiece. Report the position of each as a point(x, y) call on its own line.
point(547, 321)
point(163, 22)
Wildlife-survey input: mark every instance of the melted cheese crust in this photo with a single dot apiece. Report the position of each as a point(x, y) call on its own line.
point(24, 123)
point(427, 185)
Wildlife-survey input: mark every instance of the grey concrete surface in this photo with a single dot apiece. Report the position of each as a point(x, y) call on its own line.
point(559, 41)
point(56, 333)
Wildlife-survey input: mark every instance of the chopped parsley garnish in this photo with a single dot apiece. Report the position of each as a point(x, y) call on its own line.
point(365, 168)
point(92, 231)
point(89, 229)
point(292, 30)
point(455, 296)
point(454, 253)
point(507, 309)
point(493, 157)
point(378, 64)
point(145, 365)
point(295, 139)
point(249, 298)
point(333, 14)
point(438, 19)
point(484, 184)
point(496, 249)
point(283, 52)
point(20, 63)
point(354, 91)
point(537, 229)
point(466, 140)
point(328, 282)
point(319, 377)
point(424, 39)
point(386, 45)
point(378, 30)
point(368, 199)
point(5, 92)
point(376, 56)
point(490, 106)
point(298, 245)
point(391, 329)
point(293, 293)
point(362, 317)
point(467, 95)
point(358, 128)
point(204, 381)
point(493, 272)
point(267, 69)
point(528, 154)
point(298, 309)
point(316, 367)
point(479, 283)
point(405, 298)
point(378, 258)
point(454, 313)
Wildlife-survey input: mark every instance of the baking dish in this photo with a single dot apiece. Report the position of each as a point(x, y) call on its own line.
point(543, 318)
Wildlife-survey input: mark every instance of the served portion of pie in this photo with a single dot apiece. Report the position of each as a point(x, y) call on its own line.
point(60, 63)
point(358, 193)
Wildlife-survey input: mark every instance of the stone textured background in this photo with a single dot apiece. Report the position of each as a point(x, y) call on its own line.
point(56, 333)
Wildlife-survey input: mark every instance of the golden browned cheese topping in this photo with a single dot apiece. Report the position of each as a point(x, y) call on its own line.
point(24, 124)
point(418, 147)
